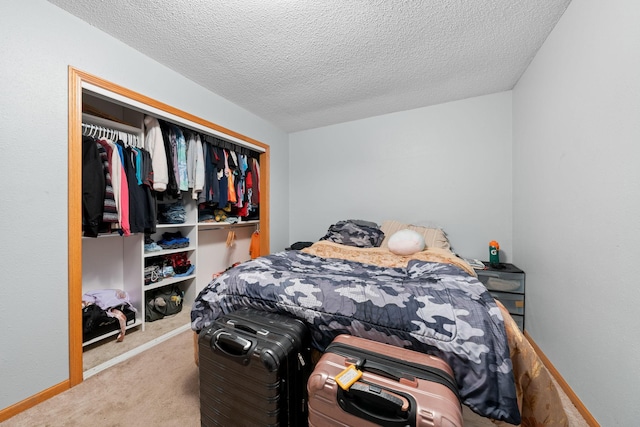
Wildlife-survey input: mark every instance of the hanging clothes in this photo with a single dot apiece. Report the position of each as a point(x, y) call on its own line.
point(199, 172)
point(211, 189)
point(213, 169)
point(141, 202)
point(120, 188)
point(147, 184)
point(255, 171)
point(172, 184)
point(154, 144)
point(241, 202)
point(229, 169)
point(136, 196)
point(190, 137)
point(109, 211)
point(180, 159)
point(223, 183)
point(93, 187)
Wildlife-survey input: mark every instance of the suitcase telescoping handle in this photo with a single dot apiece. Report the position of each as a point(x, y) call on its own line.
point(247, 328)
point(382, 370)
point(380, 406)
point(231, 344)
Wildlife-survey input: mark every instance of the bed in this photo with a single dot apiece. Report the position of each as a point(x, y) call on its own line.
point(430, 301)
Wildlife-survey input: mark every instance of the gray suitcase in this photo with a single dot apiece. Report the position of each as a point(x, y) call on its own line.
point(253, 368)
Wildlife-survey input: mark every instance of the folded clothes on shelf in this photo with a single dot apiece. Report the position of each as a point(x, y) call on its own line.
point(171, 213)
point(173, 240)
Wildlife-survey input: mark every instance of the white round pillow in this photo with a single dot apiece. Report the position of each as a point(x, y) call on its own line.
point(406, 242)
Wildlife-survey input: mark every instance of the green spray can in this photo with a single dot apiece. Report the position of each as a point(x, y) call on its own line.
point(494, 254)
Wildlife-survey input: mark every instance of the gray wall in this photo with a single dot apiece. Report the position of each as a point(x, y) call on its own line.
point(446, 166)
point(576, 114)
point(39, 42)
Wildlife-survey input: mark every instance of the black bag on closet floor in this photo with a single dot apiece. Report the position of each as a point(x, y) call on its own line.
point(163, 302)
point(96, 322)
point(93, 317)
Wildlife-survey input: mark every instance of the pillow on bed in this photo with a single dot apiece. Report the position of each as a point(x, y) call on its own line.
point(358, 233)
point(406, 242)
point(433, 237)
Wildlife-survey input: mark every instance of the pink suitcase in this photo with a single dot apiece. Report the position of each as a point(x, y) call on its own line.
point(398, 387)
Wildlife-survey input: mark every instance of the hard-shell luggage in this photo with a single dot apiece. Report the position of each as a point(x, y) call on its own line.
point(397, 387)
point(253, 367)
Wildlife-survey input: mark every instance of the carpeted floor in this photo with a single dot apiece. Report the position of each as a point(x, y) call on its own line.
point(158, 387)
point(94, 355)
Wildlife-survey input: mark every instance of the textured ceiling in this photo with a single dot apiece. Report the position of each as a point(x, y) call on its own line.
point(302, 64)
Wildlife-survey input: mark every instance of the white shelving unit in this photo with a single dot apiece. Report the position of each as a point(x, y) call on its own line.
point(187, 229)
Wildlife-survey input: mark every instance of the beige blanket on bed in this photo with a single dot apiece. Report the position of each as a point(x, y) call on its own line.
point(538, 398)
point(383, 257)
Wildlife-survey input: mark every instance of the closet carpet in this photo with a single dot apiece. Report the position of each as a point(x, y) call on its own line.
point(158, 387)
point(105, 350)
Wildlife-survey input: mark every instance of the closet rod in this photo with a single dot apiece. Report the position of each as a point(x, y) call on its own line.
point(99, 121)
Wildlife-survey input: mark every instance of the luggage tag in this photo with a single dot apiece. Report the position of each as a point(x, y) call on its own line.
point(348, 376)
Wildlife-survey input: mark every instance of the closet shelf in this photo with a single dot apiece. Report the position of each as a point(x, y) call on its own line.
point(175, 225)
point(108, 235)
point(111, 333)
point(168, 281)
point(191, 248)
point(219, 225)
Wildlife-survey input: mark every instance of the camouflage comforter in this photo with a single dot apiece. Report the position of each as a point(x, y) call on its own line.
point(431, 307)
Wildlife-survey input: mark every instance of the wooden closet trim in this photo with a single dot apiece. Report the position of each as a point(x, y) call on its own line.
point(76, 79)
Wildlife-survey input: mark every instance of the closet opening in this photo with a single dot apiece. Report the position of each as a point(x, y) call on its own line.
point(184, 235)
